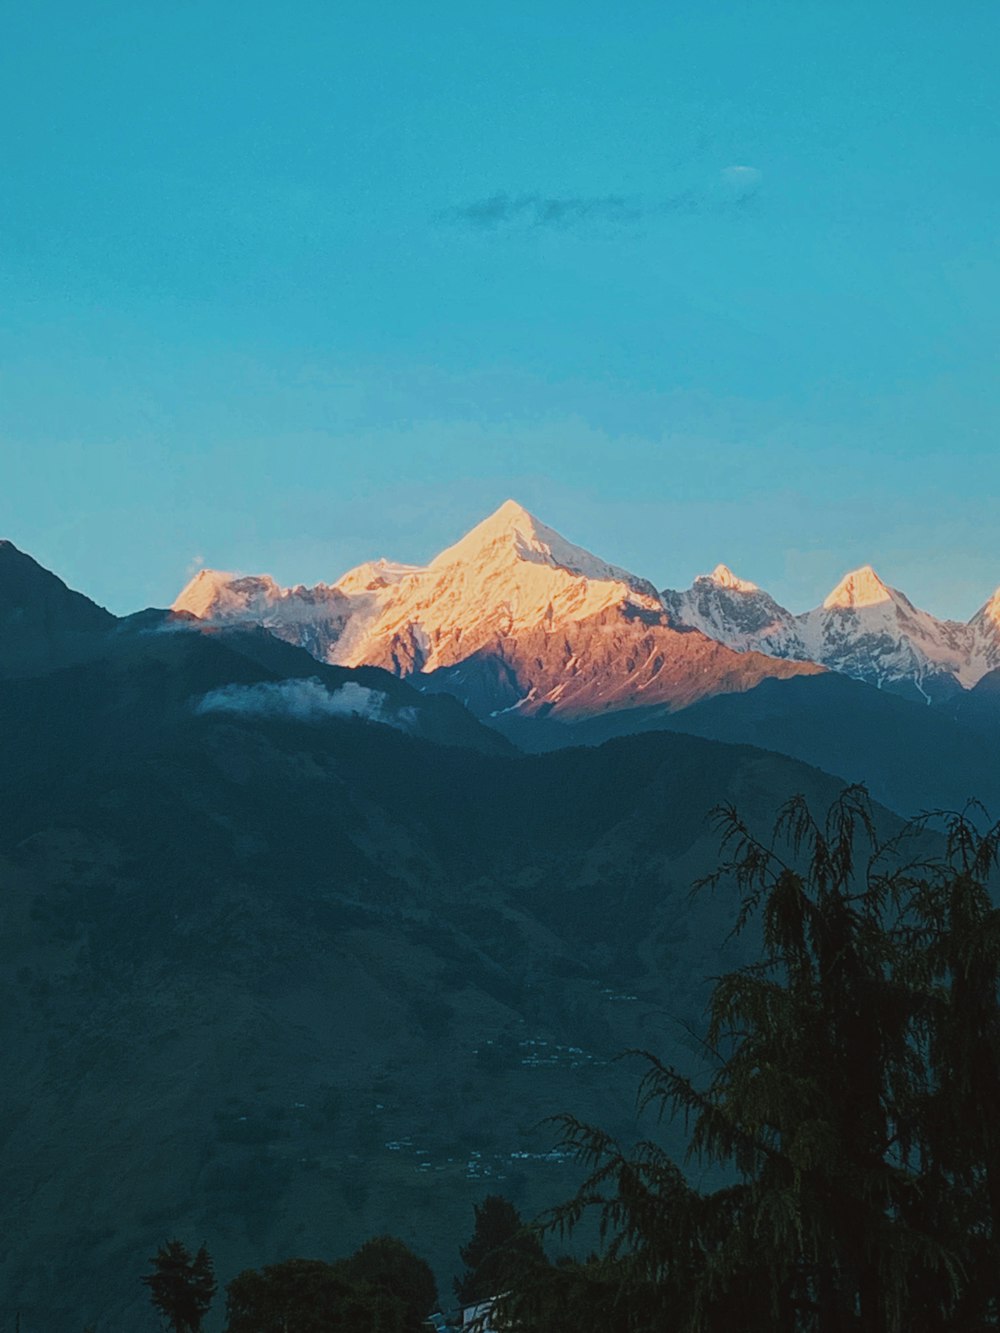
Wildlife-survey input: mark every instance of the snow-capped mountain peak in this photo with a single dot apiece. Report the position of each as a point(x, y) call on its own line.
point(510, 574)
point(736, 612)
point(861, 587)
point(870, 630)
point(219, 594)
point(984, 634)
point(989, 611)
point(512, 532)
point(313, 618)
point(723, 577)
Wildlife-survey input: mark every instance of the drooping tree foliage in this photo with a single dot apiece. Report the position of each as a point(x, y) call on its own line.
point(855, 1101)
point(181, 1285)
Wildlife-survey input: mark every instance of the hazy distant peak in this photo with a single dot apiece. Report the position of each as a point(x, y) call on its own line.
point(861, 587)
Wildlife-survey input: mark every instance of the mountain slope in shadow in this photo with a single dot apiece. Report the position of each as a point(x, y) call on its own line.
point(281, 981)
point(911, 757)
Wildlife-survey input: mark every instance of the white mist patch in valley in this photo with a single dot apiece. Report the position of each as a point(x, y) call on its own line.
point(306, 701)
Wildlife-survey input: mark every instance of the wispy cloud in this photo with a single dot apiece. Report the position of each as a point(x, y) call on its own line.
point(536, 210)
point(742, 182)
point(305, 701)
point(732, 188)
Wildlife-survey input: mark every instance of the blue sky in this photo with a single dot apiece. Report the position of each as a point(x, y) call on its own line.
point(287, 287)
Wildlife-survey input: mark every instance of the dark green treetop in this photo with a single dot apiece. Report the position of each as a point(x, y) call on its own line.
point(501, 1245)
point(382, 1288)
point(303, 1296)
point(386, 1265)
point(181, 1285)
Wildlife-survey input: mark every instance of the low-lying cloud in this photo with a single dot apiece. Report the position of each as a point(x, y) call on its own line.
point(306, 701)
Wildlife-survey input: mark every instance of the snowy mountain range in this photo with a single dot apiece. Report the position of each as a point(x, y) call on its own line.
point(514, 617)
point(864, 629)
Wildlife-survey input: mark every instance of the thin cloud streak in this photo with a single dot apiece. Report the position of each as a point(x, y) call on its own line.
point(536, 210)
point(733, 189)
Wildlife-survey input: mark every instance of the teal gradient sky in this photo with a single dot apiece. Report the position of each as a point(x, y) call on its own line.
point(285, 287)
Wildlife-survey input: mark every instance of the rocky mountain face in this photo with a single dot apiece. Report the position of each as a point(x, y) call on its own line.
point(737, 613)
point(619, 660)
point(864, 629)
point(513, 616)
